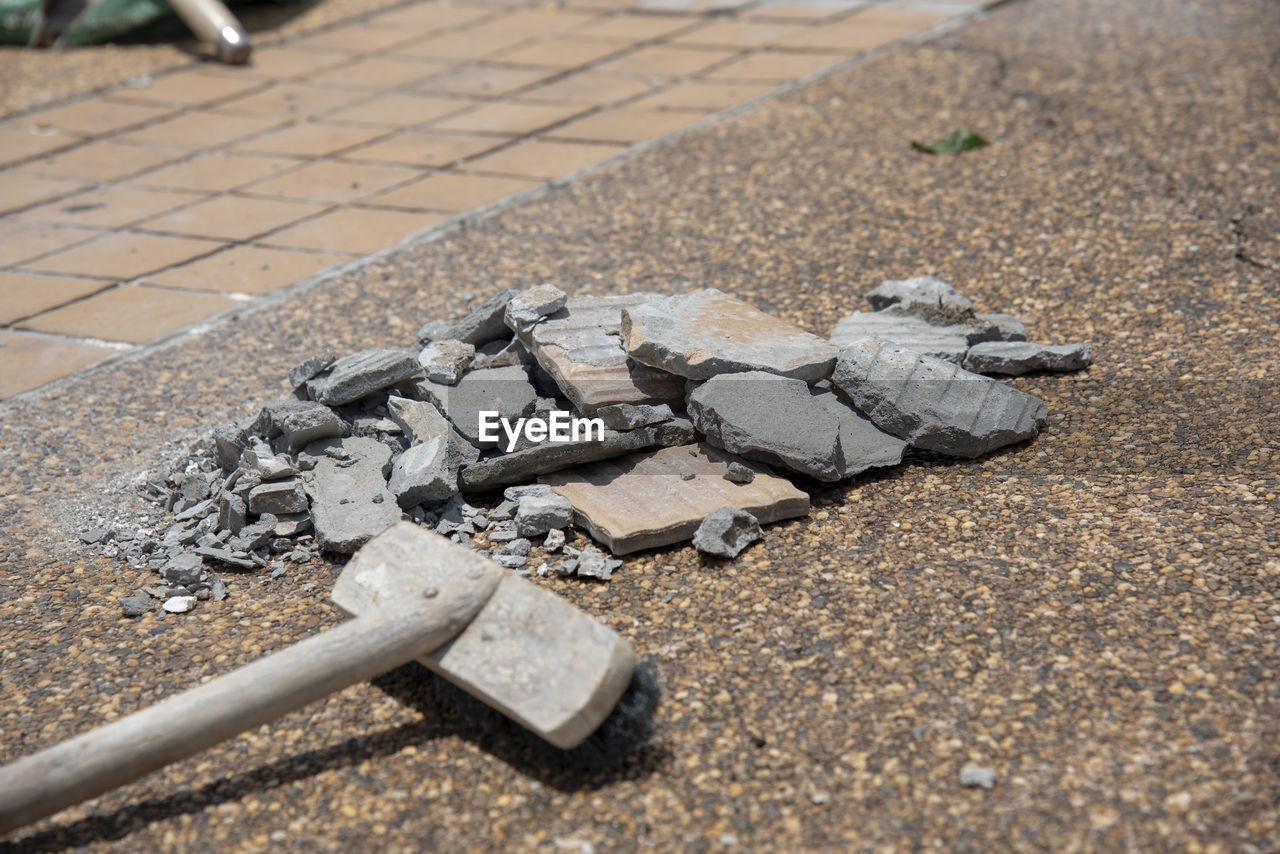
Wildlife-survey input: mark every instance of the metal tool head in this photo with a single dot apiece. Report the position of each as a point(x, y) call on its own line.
point(528, 653)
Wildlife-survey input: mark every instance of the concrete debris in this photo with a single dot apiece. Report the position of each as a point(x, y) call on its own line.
point(593, 563)
point(96, 535)
point(421, 422)
point(738, 473)
point(279, 496)
point(566, 568)
point(629, 416)
point(506, 391)
point(1014, 358)
point(501, 354)
point(977, 776)
point(292, 524)
point(229, 442)
point(264, 465)
point(179, 604)
point(785, 422)
point(518, 546)
point(136, 606)
point(310, 367)
point(425, 473)
point(538, 514)
point(481, 326)
point(554, 540)
point(725, 532)
point(518, 493)
point(504, 511)
point(580, 348)
point(903, 327)
point(933, 404)
point(225, 556)
point(217, 587)
point(1008, 327)
point(509, 561)
point(309, 423)
point(256, 535)
point(183, 569)
point(707, 333)
point(350, 503)
point(360, 374)
point(532, 304)
point(445, 361)
point(925, 289)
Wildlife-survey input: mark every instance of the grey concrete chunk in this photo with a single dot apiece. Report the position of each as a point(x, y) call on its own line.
point(944, 335)
point(270, 419)
point(641, 501)
point(784, 422)
point(445, 361)
point(738, 473)
point(233, 513)
point(629, 416)
point(580, 348)
point(540, 513)
point(509, 561)
point(501, 354)
point(706, 333)
point(481, 326)
point(280, 496)
point(725, 532)
point(307, 424)
point(350, 503)
point(228, 443)
point(309, 367)
point(554, 541)
point(434, 330)
point(256, 535)
point(1014, 358)
point(136, 606)
point(593, 563)
point(924, 289)
point(183, 569)
point(425, 473)
point(933, 404)
point(1007, 326)
point(519, 493)
point(292, 524)
point(421, 422)
point(225, 556)
point(553, 456)
point(532, 304)
point(506, 391)
point(264, 465)
point(360, 374)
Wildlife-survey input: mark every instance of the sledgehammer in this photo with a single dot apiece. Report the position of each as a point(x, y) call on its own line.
point(414, 595)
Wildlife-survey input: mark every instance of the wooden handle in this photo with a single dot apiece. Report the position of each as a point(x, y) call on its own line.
point(120, 752)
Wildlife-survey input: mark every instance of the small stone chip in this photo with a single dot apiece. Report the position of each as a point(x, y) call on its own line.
point(179, 604)
point(532, 304)
point(738, 473)
point(540, 513)
point(726, 532)
point(554, 541)
point(593, 563)
point(136, 606)
point(445, 361)
point(974, 776)
point(183, 569)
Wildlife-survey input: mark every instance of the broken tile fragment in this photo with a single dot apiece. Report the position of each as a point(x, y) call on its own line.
point(482, 325)
point(309, 423)
point(281, 496)
point(136, 606)
point(309, 367)
point(421, 422)
point(628, 416)
point(1007, 326)
point(640, 501)
point(350, 503)
point(360, 374)
point(445, 361)
point(726, 531)
point(506, 391)
point(425, 473)
point(738, 473)
point(787, 423)
point(263, 465)
point(929, 290)
point(706, 333)
point(1014, 358)
point(905, 328)
point(532, 304)
point(539, 514)
point(580, 348)
point(932, 403)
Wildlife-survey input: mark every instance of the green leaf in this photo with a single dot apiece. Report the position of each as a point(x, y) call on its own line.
point(952, 143)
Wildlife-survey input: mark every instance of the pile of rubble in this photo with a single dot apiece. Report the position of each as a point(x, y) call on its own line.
point(642, 420)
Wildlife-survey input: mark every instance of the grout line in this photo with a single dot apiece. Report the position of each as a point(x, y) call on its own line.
point(121, 346)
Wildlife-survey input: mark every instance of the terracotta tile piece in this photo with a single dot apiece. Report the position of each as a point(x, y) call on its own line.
point(398, 109)
point(773, 67)
point(24, 294)
point(123, 255)
point(19, 188)
point(450, 191)
point(247, 269)
point(105, 160)
point(702, 97)
point(480, 80)
point(353, 230)
point(284, 101)
point(310, 139)
point(558, 52)
point(214, 172)
point(108, 207)
point(190, 88)
point(20, 143)
point(133, 313)
point(624, 124)
point(427, 148)
point(665, 61)
point(333, 182)
point(92, 117)
point(588, 88)
point(508, 118)
point(20, 241)
point(30, 361)
point(544, 158)
point(202, 129)
point(231, 217)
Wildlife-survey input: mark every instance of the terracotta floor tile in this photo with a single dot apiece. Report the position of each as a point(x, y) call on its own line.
point(353, 38)
point(202, 129)
point(545, 20)
point(544, 158)
point(624, 124)
point(19, 188)
point(424, 148)
point(865, 29)
point(123, 255)
point(424, 18)
point(92, 117)
point(733, 33)
point(665, 61)
point(278, 62)
point(450, 191)
point(20, 143)
point(508, 118)
point(632, 28)
point(378, 72)
point(804, 10)
point(480, 80)
point(20, 241)
point(353, 230)
point(333, 182)
point(30, 361)
point(692, 7)
point(113, 206)
point(559, 52)
point(398, 110)
point(231, 217)
point(192, 87)
point(588, 88)
point(25, 294)
point(283, 101)
point(461, 45)
point(703, 97)
point(133, 313)
point(310, 139)
point(773, 67)
point(247, 270)
point(214, 172)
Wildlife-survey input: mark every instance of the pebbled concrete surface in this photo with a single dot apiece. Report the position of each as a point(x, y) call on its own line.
point(1093, 616)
